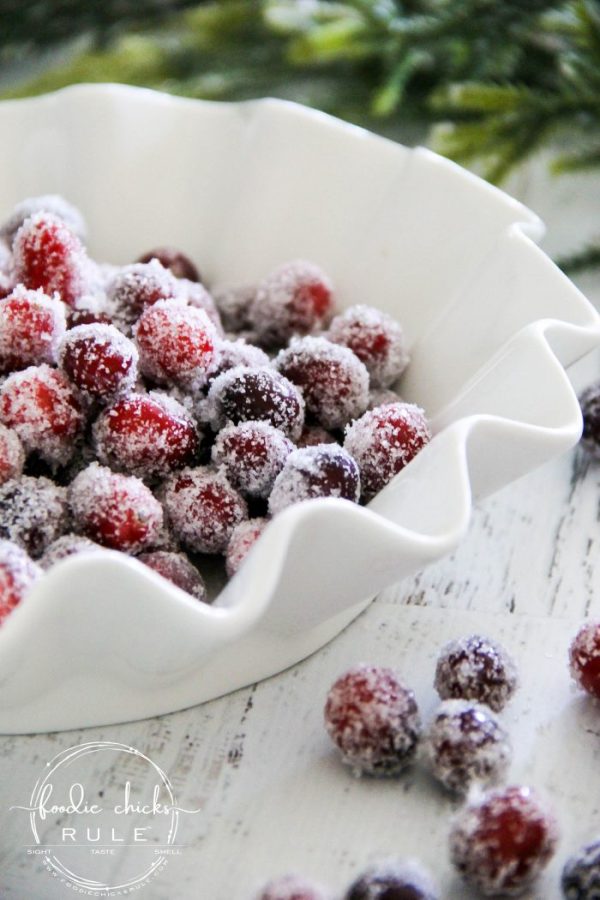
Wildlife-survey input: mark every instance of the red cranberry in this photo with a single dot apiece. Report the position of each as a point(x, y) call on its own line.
point(49, 203)
point(40, 404)
point(333, 381)
point(99, 360)
point(581, 874)
point(177, 343)
point(310, 472)
point(148, 435)
point(393, 880)
point(373, 719)
point(292, 887)
point(12, 455)
point(466, 743)
point(590, 410)
point(65, 546)
point(117, 511)
point(90, 316)
point(243, 537)
point(234, 305)
point(377, 340)
point(246, 394)
point(252, 455)
point(584, 658)
point(203, 509)
point(177, 569)
point(17, 575)
point(135, 287)
point(501, 843)
point(196, 296)
point(236, 353)
point(476, 668)
point(313, 435)
point(31, 326)
point(48, 255)
point(294, 299)
point(177, 262)
point(383, 441)
point(33, 513)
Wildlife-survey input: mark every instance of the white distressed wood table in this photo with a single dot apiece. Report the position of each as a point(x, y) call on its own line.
point(258, 764)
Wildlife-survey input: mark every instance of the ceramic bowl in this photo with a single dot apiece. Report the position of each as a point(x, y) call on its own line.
point(490, 321)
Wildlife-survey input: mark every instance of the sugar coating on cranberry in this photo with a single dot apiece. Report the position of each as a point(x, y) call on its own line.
point(175, 260)
point(48, 255)
point(236, 353)
point(243, 537)
point(376, 338)
point(176, 342)
point(137, 286)
point(247, 394)
point(466, 744)
point(584, 658)
point(292, 887)
point(117, 511)
point(99, 360)
point(383, 397)
point(476, 668)
point(235, 305)
point(33, 513)
point(296, 298)
point(383, 441)
point(252, 455)
point(17, 574)
point(65, 546)
point(373, 719)
point(581, 874)
point(40, 404)
point(590, 410)
point(393, 880)
point(503, 841)
point(203, 509)
point(148, 435)
point(31, 327)
point(177, 569)
point(12, 454)
point(310, 472)
point(195, 295)
point(313, 435)
point(47, 203)
point(333, 381)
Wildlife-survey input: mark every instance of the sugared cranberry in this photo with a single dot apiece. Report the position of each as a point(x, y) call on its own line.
point(590, 410)
point(12, 454)
point(310, 472)
point(177, 568)
point(476, 668)
point(195, 295)
point(465, 744)
point(382, 397)
point(99, 360)
point(65, 546)
point(294, 299)
point(177, 343)
point(373, 719)
point(584, 658)
point(236, 353)
point(33, 513)
point(17, 574)
point(502, 842)
point(203, 509)
point(31, 327)
point(48, 203)
point(177, 262)
point(383, 441)
point(90, 316)
point(135, 287)
point(252, 455)
point(117, 511)
point(246, 394)
point(48, 255)
point(292, 887)
point(377, 340)
point(148, 435)
point(393, 880)
point(333, 381)
point(40, 404)
point(234, 305)
point(581, 874)
point(313, 435)
point(243, 537)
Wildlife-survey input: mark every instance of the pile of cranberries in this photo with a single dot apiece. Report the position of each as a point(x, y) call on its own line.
point(142, 413)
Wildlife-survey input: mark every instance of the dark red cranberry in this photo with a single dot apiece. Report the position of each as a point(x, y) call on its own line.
point(294, 299)
point(99, 360)
point(476, 668)
point(252, 455)
point(65, 546)
point(246, 394)
point(310, 472)
point(177, 569)
point(88, 316)
point(377, 340)
point(12, 454)
point(177, 262)
point(243, 537)
point(17, 574)
point(33, 513)
point(393, 880)
point(236, 353)
point(584, 658)
point(31, 327)
point(135, 287)
point(581, 874)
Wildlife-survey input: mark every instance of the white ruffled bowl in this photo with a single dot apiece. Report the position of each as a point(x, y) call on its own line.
point(242, 187)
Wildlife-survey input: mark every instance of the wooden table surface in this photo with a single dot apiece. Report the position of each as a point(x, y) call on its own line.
point(258, 763)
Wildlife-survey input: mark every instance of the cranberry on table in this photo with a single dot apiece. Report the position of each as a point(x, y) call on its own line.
point(148, 435)
point(310, 472)
point(476, 668)
point(177, 262)
point(333, 381)
point(31, 327)
point(65, 546)
point(383, 441)
point(203, 509)
point(376, 338)
point(99, 360)
point(296, 298)
point(252, 455)
point(291, 887)
point(502, 842)
point(12, 454)
point(137, 286)
point(246, 394)
point(373, 719)
point(17, 574)
point(177, 568)
point(581, 874)
point(243, 537)
point(33, 513)
point(584, 658)
point(47, 203)
point(466, 744)
point(393, 880)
